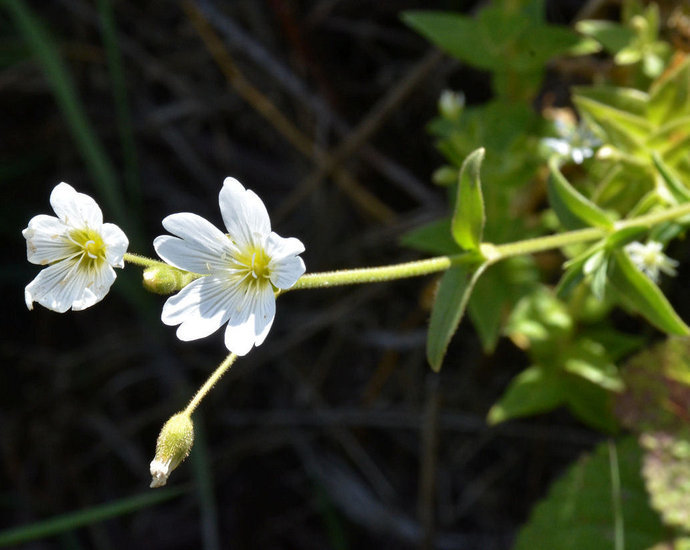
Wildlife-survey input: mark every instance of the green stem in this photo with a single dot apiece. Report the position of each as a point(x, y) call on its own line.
point(492, 253)
point(201, 393)
point(375, 274)
point(143, 261)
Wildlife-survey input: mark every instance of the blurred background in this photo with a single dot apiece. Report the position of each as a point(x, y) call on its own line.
point(334, 433)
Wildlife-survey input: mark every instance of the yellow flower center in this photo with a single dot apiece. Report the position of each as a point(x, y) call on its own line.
point(89, 244)
point(253, 264)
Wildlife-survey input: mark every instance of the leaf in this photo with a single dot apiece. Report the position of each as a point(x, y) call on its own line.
point(87, 516)
point(589, 360)
point(449, 306)
point(495, 295)
point(613, 36)
point(670, 95)
point(467, 225)
point(673, 184)
point(579, 511)
point(535, 390)
point(629, 100)
point(456, 34)
point(624, 130)
point(573, 209)
point(591, 404)
point(434, 238)
point(666, 471)
point(638, 291)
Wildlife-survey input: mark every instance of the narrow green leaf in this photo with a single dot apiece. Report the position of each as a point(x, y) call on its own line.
point(628, 100)
point(638, 291)
point(58, 77)
point(124, 116)
point(573, 209)
point(449, 307)
point(579, 511)
point(535, 390)
point(670, 95)
point(88, 516)
point(467, 225)
point(624, 130)
point(673, 184)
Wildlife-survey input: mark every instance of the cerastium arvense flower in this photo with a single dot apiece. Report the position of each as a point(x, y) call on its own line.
point(78, 249)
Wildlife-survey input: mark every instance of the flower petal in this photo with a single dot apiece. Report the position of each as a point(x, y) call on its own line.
point(46, 241)
point(189, 256)
point(249, 325)
point(284, 266)
point(244, 214)
point(200, 244)
point(200, 308)
point(286, 272)
point(75, 209)
point(97, 286)
point(280, 247)
point(57, 286)
point(116, 243)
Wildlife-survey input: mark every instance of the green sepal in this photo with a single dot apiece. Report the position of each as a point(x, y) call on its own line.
point(449, 307)
point(637, 291)
point(573, 209)
point(467, 225)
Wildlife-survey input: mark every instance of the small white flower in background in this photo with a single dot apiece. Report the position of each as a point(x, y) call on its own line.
point(650, 259)
point(576, 141)
point(79, 250)
point(243, 269)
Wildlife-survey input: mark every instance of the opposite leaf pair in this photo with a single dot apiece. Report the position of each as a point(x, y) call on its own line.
point(240, 271)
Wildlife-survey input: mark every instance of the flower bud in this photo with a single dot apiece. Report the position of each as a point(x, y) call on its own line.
point(164, 279)
point(445, 175)
point(172, 447)
point(451, 104)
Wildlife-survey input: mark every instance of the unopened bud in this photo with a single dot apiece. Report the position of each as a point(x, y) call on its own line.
point(451, 104)
point(445, 175)
point(165, 279)
point(172, 447)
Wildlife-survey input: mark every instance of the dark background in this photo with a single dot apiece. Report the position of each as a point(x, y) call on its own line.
point(334, 433)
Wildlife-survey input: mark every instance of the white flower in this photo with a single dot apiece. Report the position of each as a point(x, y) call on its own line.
point(576, 142)
point(79, 250)
point(242, 268)
point(650, 259)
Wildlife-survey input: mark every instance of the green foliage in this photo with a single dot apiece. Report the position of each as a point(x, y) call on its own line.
point(511, 40)
point(573, 209)
point(635, 40)
point(572, 367)
point(655, 406)
point(449, 307)
point(637, 290)
point(582, 510)
point(467, 225)
point(87, 516)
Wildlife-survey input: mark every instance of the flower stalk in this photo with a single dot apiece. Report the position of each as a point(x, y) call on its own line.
point(210, 382)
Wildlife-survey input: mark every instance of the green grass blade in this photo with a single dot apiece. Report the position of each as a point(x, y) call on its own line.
point(124, 117)
point(203, 476)
point(74, 520)
point(58, 77)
